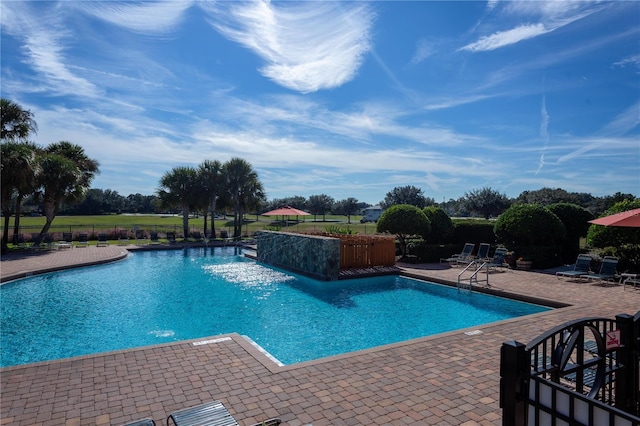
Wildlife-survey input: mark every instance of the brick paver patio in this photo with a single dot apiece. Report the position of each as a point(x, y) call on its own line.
point(448, 379)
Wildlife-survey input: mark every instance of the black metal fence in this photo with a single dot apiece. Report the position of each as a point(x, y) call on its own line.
point(584, 372)
point(113, 232)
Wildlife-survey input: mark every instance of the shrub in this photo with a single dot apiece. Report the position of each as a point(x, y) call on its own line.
point(473, 231)
point(404, 221)
point(337, 230)
point(576, 224)
point(441, 225)
point(527, 227)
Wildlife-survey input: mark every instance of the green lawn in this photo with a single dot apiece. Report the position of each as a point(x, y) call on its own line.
point(163, 223)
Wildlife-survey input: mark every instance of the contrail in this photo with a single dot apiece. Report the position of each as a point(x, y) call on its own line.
point(544, 134)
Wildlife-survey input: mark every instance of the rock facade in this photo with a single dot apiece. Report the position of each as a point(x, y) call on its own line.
point(315, 256)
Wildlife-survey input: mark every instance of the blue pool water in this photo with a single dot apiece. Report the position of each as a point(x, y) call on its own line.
point(164, 296)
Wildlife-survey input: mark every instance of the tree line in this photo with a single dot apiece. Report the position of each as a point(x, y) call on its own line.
point(57, 179)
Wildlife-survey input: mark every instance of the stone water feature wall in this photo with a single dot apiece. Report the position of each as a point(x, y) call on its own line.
point(316, 256)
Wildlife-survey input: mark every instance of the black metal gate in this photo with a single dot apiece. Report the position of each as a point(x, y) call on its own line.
point(584, 372)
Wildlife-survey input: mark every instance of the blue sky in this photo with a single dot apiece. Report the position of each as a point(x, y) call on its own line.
point(349, 99)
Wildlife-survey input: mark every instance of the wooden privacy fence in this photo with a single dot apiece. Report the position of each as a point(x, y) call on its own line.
point(366, 251)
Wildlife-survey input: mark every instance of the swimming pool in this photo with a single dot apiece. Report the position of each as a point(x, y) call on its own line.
point(163, 296)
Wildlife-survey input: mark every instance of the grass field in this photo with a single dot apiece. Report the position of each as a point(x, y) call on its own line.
point(111, 224)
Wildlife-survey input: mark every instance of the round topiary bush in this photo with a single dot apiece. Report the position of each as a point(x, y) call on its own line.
point(531, 230)
point(576, 224)
point(441, 225)
point(404, 220)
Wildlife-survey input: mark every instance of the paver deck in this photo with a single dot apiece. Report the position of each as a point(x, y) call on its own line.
point(448, 379)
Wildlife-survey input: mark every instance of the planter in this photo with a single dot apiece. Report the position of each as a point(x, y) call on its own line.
point(525, 265)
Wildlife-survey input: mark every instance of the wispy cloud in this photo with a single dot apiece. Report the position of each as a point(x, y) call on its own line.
point(627, 121)
point(506, 38)
point(45, 39)
point(147, 17)
point(550, 16)
point(633, 60)
point(307, 46)
point(424, 49)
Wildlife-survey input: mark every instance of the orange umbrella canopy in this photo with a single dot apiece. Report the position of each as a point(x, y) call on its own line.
point(630, 219)
point(286, 211)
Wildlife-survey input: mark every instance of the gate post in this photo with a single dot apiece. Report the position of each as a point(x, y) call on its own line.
point(627, 382)
point(513, 386)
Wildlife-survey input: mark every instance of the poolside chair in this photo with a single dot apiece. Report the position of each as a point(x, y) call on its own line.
point(498, 259)
point(196, 236)
point(123, 237)
point(83, 240)
point(607, 271)
point(102, 240)
point(211, 413)
point(483, 252)
point(581, 267)
point(153, 237)
point(67, 240)
point(171, 237)
point(140, 236)
point(463, 257)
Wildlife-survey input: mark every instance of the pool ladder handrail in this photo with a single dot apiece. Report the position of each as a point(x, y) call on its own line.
point(474, 276)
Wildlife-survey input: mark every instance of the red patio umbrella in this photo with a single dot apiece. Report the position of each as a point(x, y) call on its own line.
point(629, 219)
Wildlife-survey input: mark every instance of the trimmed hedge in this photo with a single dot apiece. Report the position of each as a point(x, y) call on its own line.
point(473, 231)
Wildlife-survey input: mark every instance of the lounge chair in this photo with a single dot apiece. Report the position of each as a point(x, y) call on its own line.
point(67, 240)
point(498, 259)
point(153, 237)
point(102, 240)
point(581, 267)
point(607, 271)
point(171, 237)
point(211, 413)
point(123, 237)
point(83, 240)
point(140, 236)
point(196, 236)
point(483, 252)
point(463, 257)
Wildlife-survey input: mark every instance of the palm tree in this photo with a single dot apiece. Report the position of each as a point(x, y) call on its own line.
point(64, 176)
point(244, 188)
point(17, 123)
point(178, 188)
point(211, 179)
point(19, 169)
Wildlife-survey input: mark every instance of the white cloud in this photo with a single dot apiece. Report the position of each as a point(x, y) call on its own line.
point(423, 50)
point(625, 122)
point(307, 46)
point(45, 37)
point(550, 15)
point(633, 60)
point(506, 38)
point(147, 17)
